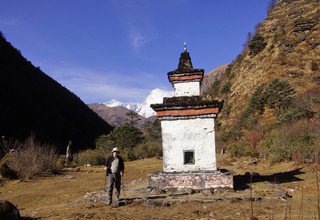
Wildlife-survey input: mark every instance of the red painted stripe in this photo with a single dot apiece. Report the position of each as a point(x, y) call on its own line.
point(187, 112)
point(185, 78)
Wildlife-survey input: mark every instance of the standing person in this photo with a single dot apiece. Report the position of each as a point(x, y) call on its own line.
point(115, 170)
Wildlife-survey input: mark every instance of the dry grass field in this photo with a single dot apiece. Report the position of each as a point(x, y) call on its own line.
point(62, 196)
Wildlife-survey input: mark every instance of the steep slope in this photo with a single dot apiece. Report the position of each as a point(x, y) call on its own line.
point(32, 102)
point(114, 115)
point(285, 46)
point(212, 77)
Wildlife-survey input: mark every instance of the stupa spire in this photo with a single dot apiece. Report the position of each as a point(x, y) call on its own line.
point(185, 47)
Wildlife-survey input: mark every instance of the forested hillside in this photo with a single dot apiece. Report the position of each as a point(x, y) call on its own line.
point(33, 103)
point(271, 90)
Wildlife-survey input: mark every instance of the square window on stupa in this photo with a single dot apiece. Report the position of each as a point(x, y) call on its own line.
point(188, 157)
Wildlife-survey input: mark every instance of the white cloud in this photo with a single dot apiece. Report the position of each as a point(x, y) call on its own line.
point(138, 39)
point(94, 86)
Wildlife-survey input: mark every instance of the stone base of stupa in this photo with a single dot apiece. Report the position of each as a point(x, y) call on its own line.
point(194, 180)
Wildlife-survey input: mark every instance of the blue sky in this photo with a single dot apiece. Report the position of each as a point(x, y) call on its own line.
point(122, 49)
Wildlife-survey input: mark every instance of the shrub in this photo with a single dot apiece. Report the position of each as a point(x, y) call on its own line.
point(226, 110)
point(214, 89)
point(279, 94)
point(257, 44)
point(7, 172)
point(124, 136)
point(295, 114)
point(226, 88)
point(153, 130)
point(314, 66)
point(144, 150)
point(148, 149)
point(93, 157)
point(304, 106)
point(6, 145)
point(298, 141)
point(254, 138)
point(240, 57)
point(240, 149)
point(258, 100)
point(248, 119)
point(129, 155)
point(33, 159)
point(228, 72)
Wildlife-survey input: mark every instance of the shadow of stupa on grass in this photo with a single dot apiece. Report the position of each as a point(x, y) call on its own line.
point(241, 182)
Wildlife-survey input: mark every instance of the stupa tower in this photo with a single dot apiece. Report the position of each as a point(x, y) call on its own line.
point(188, 133)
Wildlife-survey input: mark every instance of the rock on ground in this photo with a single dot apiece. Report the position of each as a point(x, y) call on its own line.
point(8, 210)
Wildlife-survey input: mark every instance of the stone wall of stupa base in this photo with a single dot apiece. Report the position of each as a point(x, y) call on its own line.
point(197, 181)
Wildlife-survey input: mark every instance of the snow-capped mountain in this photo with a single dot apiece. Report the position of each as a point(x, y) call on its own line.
point(143, 109)
point(155, 96)
point(132, 106)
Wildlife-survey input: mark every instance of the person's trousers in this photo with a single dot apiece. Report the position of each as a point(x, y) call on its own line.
point(114, 181)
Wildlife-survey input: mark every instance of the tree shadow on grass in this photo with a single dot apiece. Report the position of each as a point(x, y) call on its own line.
point(241, 182)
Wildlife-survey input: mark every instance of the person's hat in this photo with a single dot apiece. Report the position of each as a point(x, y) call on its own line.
point(115, 150)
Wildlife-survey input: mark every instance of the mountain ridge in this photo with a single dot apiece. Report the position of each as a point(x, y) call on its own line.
point(34, 103)
point(143, 109)
point(286, 45)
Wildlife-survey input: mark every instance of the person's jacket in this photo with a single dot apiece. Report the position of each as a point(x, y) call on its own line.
point(109, 162)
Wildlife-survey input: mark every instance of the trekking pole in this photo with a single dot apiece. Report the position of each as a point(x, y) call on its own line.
point(105, 179)
point(105, 183)
point(124, 193)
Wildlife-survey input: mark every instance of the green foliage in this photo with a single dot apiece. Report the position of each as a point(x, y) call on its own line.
point(248, 119)
point(153, 130)
point(105, 141)
point(125, 136)
point(240, 57)
point(228, 72)
point(258, 99)
point(132, 118)
point(298, 141)
point(303, 106)
point(240, 149)
point(226, 110)
point(214, 89)
point(279, 94)
point(226, 88)
point(295, 114)
point(148, 149)
point(234, 134)
point(131, 141)
point(93, 157)
point(257, 44)
point(314, 66)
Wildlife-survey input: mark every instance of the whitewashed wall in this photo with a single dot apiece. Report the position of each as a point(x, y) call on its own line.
point(186, 88)
point(188, 134)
